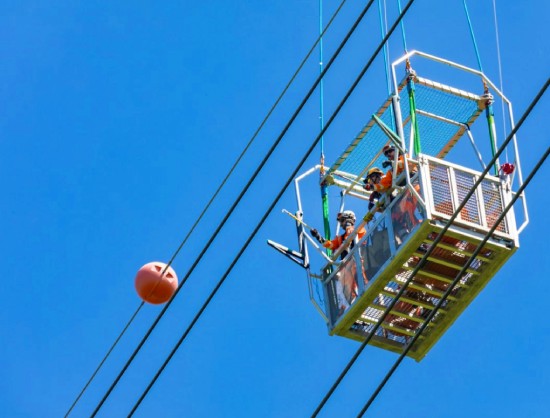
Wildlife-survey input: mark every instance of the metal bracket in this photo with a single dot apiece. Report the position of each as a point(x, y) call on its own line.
point(295, 256)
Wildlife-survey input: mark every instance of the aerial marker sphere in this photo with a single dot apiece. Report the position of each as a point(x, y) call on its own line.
point(154, 288)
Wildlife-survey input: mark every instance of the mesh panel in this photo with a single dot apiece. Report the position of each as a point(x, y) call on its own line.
point(464, 183)
point(437, 137)
point(493, 205)
point(444, 204)
point(366, 150)
point(441, 189)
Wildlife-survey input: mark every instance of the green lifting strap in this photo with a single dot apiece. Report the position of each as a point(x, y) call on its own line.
point(414, 121)
point(326, 218)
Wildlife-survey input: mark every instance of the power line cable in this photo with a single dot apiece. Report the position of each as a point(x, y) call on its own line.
point(235, 203)
point(424, 259)
point(455, 281)
point(104, 360)
point(215, 195)
point(272, 206)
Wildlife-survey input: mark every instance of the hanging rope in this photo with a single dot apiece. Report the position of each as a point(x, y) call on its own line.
point(236, 202)
point(424, 259)
point(386, 52)
point(402, 27)
point(500, 78)
point(383, 28)
point(321, 91)
point(278, 197)
point(324, 188)
point(472, 35)
point(489, 98)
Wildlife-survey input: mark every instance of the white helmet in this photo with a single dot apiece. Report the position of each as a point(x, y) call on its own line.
point(346, 215)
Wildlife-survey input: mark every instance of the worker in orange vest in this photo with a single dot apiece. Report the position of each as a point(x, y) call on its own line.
point(347, 222)
point(377, 181)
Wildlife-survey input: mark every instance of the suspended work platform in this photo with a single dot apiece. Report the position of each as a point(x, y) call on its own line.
point(366, 282)
point(424, 121)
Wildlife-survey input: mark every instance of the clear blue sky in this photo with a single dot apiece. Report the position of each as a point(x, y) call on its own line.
point(120, 119)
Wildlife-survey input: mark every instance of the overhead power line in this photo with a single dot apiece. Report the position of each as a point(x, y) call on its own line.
point(455, 281)
point(214, 196)
point(272, 206)
point(235, 203)
point(424, 259)
point(517, 195)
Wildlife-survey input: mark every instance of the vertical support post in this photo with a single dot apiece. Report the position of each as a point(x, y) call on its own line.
point(398, 118)
point(490, 115)
point(412, 105)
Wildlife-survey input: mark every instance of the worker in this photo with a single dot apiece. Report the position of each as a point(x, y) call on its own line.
point(376, 181)
point(380, 182)
point(346, 277)
point(347, 222)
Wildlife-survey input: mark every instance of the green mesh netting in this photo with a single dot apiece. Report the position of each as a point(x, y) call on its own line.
point(437, 137)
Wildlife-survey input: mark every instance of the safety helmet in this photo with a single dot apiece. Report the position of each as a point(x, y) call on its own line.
point(374, 170)
point(387, 149)
point(346, 215)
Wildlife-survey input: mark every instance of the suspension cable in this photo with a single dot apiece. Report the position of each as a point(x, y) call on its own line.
point(402, 27)
point(472, 35)
point(235, 203)
point(321, 82)
point(500, 78)
point(104, 360)
point(324, 187)
point(214, 196)
point(455, 281)
point(428, 253)
point(273, 204)
point(383, 17)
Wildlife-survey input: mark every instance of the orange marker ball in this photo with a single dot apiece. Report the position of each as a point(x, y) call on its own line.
point(154, 288)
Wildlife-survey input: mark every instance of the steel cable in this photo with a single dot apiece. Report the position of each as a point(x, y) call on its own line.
point(455, 281)
point(272, 206)
point(424, 259)
point(235, 203)
point(214, 196)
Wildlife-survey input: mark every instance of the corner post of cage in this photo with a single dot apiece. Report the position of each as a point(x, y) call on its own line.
point(400, 145)
point(358, 266)
point(302, 239)
point(412, 105)
point(490, 116)
point(474, 146)
point(397, 115)
point(520, 173)
point(312, 296)
point(426, 185)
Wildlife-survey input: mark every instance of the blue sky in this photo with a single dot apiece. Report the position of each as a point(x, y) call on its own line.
point(119, 121)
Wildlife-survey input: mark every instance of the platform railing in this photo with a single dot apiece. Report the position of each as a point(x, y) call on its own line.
point(446, 184)
point(443, 186)
point(367, 258)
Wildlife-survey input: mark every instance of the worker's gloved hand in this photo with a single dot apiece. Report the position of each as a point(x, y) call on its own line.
point(368, 217)
point(315, 234)
point(368, 186)
point(386, 164)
